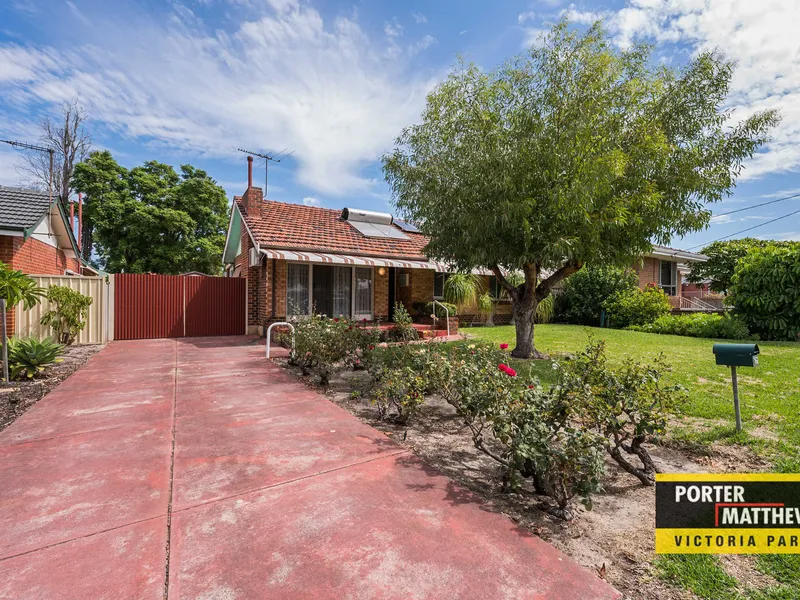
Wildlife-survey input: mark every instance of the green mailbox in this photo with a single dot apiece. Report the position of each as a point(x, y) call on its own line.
point(736, 355)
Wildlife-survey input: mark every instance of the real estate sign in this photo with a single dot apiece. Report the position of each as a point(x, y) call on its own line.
point(728, 513)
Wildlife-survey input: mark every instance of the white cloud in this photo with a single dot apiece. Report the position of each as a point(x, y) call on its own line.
point(311, 201)
point(393, 29)
point(525, 16)
point(282, 78)
point(532, 36)
point(419, 18)
point(761, 36)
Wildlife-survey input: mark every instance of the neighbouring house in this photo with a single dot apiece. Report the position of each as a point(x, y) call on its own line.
point(36, 237)
point(666, 268)
point(355, 263)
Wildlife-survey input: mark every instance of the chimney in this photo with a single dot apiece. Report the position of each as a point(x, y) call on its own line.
point(249, 172)
point(80, 221)
point(253, 200)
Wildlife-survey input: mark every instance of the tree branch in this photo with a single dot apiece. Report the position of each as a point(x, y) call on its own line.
point(543, 289)
point(502, 280)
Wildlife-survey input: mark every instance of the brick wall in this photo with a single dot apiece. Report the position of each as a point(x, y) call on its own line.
point(648, 271)
point(380, 306)
point(33, 257)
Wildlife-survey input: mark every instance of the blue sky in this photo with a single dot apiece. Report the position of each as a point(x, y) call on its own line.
point(336, 81)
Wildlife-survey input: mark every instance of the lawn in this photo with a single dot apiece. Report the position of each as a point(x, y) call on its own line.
point(770, 401)
point(769, 394)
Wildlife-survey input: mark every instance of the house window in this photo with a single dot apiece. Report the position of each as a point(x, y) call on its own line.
point(494, 287)
point(668, 277)
point(438, 284)
point(297, 290)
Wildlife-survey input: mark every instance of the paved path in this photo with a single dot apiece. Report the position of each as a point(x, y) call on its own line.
point(197, 469)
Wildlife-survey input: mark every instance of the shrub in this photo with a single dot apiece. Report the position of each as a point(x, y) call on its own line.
point(27, 357)
point(403, 330)
point(698, 325)
point(625, 407)
point(67, 314)
point(586, 292)
point(427, 360)
point(545, 310)
point(400, 393)
point(637, 307)
point(536, 437)
point(765, 292)
point(321, 343)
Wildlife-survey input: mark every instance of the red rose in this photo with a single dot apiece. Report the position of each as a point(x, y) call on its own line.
point(503, 346)
point(503, 368)
point(335, 320)
point(511, 372)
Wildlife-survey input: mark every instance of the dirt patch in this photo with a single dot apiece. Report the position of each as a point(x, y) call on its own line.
point(614, 540)
point(18, 396)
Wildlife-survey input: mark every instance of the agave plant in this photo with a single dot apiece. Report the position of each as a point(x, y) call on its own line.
point(27, 357)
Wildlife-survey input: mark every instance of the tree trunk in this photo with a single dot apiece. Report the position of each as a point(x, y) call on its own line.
point(524, 312)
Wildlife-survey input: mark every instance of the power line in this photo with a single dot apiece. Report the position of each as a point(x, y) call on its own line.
point(746, 230)
point(757, 205)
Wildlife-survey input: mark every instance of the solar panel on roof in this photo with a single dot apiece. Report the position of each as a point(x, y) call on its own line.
point(376, 230)
point(406, 226)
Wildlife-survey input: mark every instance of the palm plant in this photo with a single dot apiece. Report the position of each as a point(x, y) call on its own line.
point(18, 288)
point(463, 290)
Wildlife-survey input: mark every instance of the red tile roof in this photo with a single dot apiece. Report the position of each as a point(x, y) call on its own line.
point(298, 227)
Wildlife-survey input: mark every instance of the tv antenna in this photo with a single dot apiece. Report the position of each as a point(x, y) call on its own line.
point(276, 158)
point(27, 146)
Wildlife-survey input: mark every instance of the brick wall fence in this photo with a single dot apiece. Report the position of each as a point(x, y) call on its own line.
point(33, 257)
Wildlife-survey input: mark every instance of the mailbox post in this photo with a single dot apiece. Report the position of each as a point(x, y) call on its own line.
point(736, 355)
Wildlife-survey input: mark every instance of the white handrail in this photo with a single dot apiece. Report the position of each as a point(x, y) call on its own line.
point(446, 312)
point(269, 331)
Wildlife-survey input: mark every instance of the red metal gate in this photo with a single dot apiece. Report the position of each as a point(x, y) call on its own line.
point(169, 306)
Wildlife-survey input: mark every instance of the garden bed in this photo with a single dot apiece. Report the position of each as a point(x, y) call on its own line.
point(615, 539)
point(18, 396)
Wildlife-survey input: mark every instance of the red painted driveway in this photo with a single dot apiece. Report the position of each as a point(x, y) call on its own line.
point(196, 469)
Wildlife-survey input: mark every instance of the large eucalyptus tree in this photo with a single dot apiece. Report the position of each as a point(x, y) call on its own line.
point(572, 153)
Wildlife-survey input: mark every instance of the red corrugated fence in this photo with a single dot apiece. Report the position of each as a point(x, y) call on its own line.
point(169, 306)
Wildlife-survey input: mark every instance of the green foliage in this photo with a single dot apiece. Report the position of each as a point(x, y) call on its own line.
point(546, 310)
point(637, 307)
point(485, 303)
point(27, 357)
point(152, 219)
point(463, 290)
point(18, 288)
point(67, 314)
point(723, 258)
point(573, 153)
point(625, 406)
point(400, 393)
point(322, 343)
point(702, 325)
point(527, 430)
point(431, 309)
point(403, 330)
point(587, 291)
point(765, 291)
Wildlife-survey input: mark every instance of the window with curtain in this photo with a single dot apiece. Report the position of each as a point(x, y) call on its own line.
point(342, 281)
point(363, 293)
point(297, 289)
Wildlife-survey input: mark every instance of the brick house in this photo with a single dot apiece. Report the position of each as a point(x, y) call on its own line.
point(666, 267)
point(353, 263)
point(35, 236)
